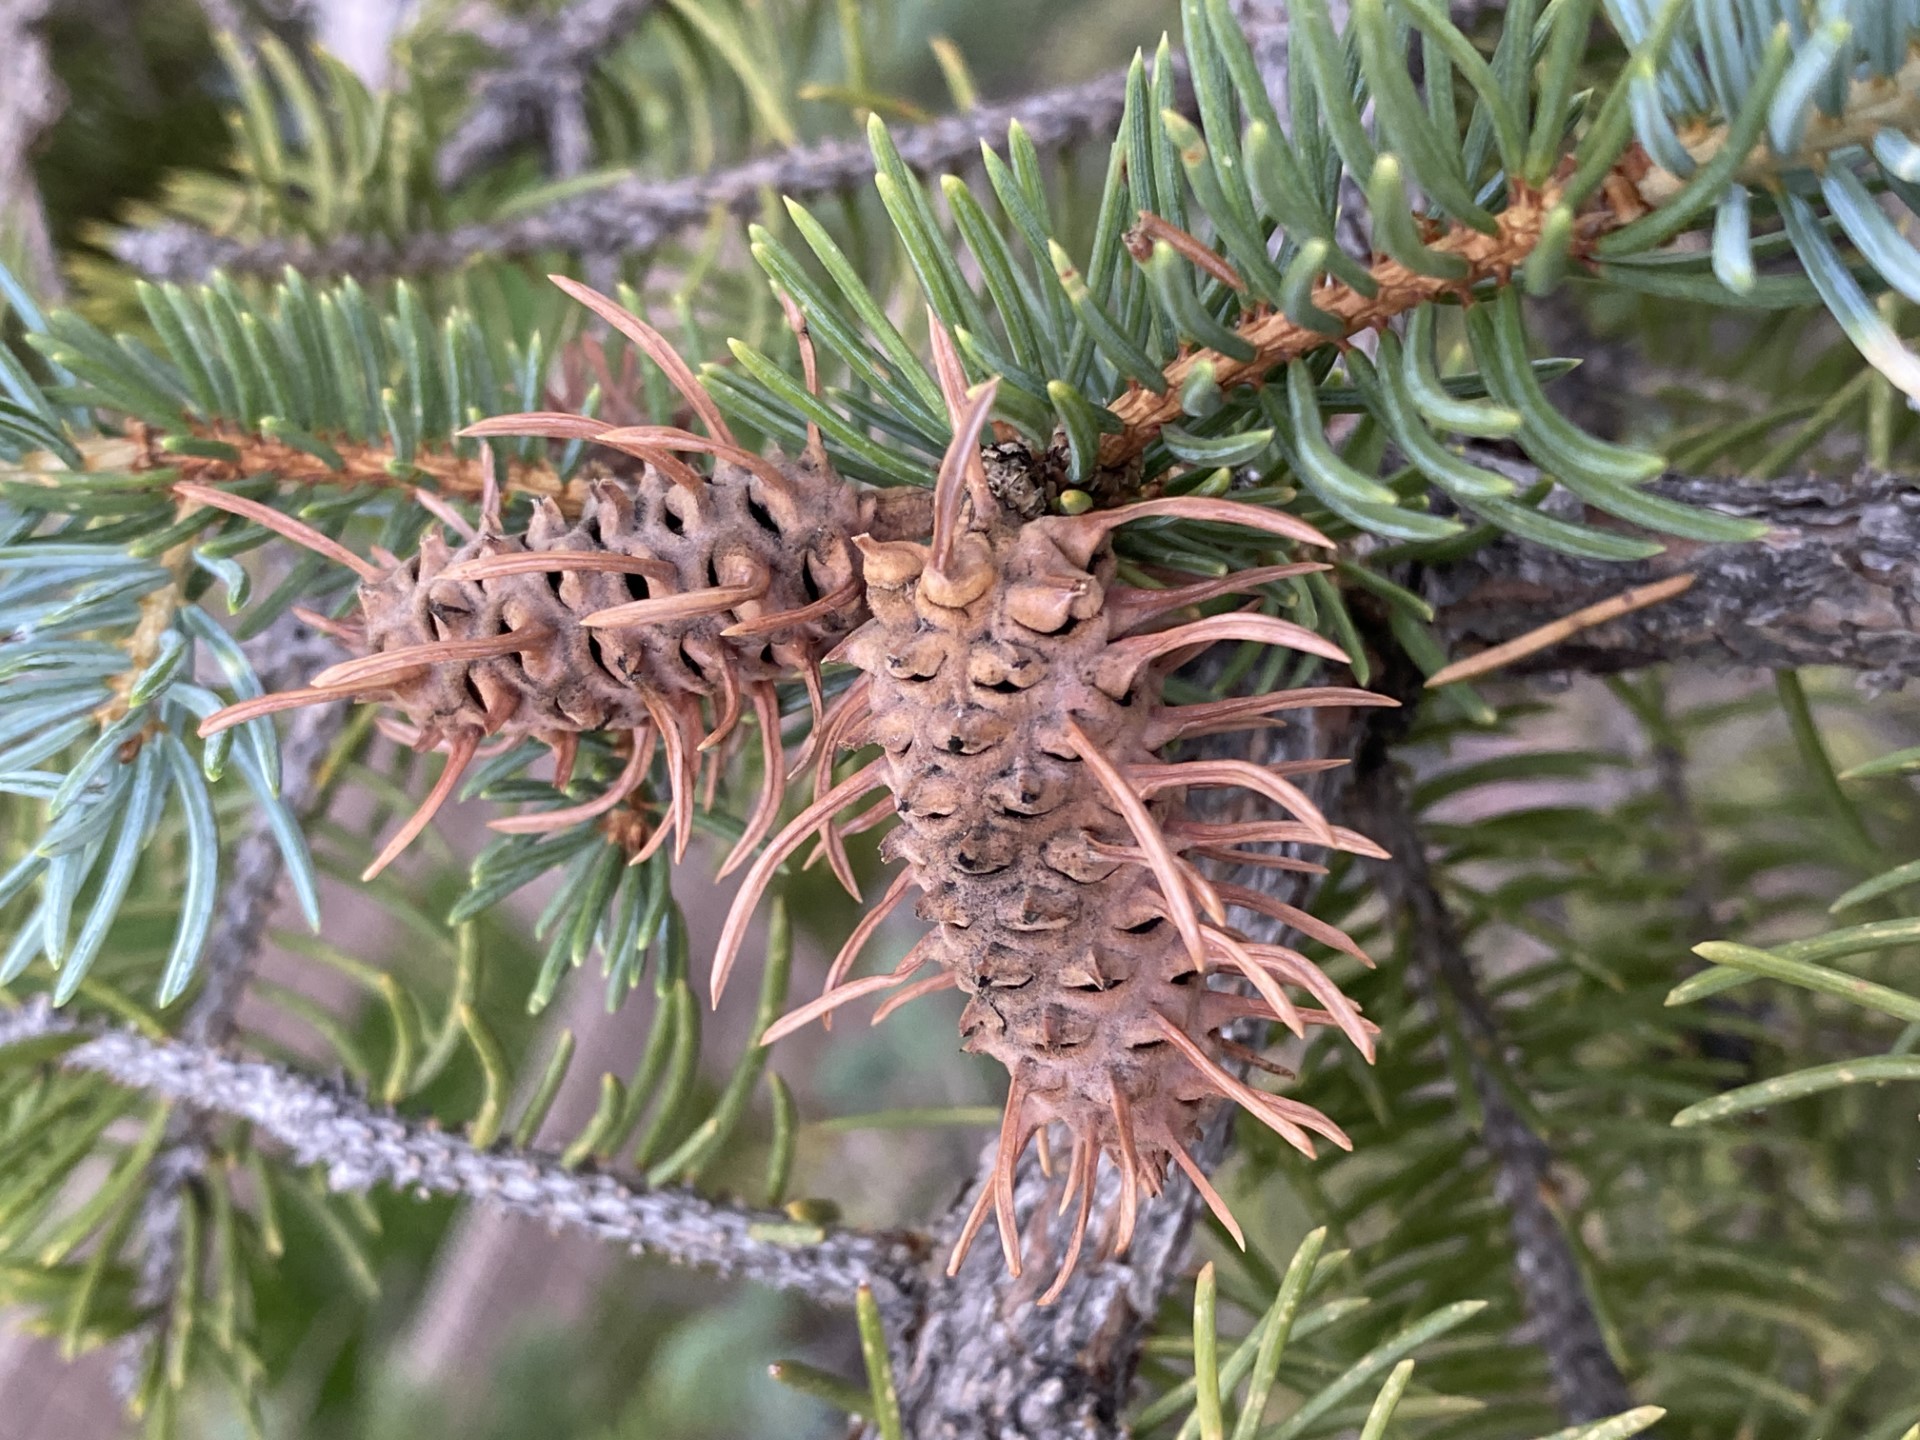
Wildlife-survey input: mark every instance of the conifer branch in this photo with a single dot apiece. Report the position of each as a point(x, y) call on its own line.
point(363, 463)
point(321, 1123)
point(1872, 106)
point(246, 900)
point(233, 946)
point(1276, 338)
point(1267, 24)
point(1829, 585)
point(1586, 1381)
point(536, 89)
point(1832, 583)
point(636, 215)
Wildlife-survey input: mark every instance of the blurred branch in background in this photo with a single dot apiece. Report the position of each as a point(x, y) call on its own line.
point(30, 101)
point(535, 90)
point(288, 652)
point(1587, 1383)
point(498, 1272)
point(634, 215)
point(498, 1275)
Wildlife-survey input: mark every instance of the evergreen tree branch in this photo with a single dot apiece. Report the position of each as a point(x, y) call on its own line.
point(1268, 23)
point(537, 88)
point(233, 946)
point(290, 653)
point(982, 1363)
point(321, 1123)
point(362, 463)
point(1587, 1383)
point(1833, 583)
point(1869, 107)
point(635, 215)
point(1277, 339)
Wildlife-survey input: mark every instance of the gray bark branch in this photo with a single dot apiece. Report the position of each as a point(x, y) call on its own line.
point(536, 91)
point(320, 1123)
point(635, 215)
point(1834, 583)
point(1586, 1381)
point(987, 1363)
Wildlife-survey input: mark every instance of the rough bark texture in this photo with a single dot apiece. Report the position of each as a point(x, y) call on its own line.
point(321, 1123)
point(1835, 583)
point(1587, 1383)
point(986, 1364)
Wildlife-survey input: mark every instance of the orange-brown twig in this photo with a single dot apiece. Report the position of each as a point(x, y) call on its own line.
point(361, 464)
point(1276, 339)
